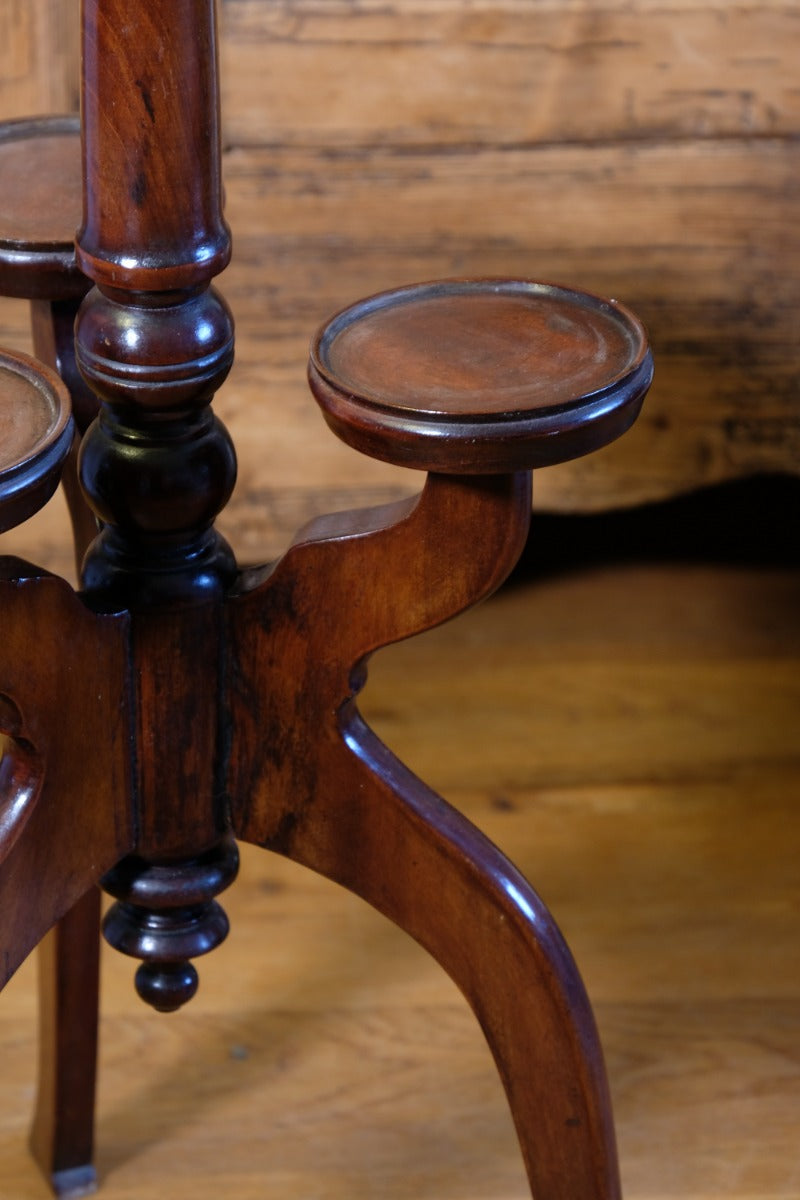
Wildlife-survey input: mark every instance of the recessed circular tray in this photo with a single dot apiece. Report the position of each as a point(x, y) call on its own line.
point(40, 207)
point(480, 375)
point(35, 436)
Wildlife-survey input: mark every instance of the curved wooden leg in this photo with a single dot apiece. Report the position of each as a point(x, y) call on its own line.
point(62, 1133)
point(382, 834)
point(309, 780)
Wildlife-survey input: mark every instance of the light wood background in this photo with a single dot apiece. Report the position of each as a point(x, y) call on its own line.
point(646, 150)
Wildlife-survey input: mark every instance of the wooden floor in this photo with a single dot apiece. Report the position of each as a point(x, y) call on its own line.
point(630, 735)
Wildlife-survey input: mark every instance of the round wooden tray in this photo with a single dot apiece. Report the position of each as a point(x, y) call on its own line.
point(40, 208)
point(480, 375)
point(35, 436)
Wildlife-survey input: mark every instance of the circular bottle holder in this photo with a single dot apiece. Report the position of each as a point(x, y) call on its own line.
point(475, 376)
point(40, 208)
point(35, 436)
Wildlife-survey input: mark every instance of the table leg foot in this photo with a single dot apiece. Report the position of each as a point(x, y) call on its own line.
point(380, 832)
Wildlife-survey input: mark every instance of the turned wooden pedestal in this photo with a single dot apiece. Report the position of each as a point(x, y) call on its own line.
point(177, 703)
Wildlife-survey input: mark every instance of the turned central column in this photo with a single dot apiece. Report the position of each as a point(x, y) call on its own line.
point(155, 341)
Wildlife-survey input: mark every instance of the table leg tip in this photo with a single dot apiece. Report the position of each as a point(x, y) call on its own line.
point(74, 1182)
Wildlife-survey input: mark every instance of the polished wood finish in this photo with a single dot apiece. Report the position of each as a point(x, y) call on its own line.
point(233, 695)
point(40, 208)
point(155, 342)
point(53, 322)
point(480, 376)
point(707, 151)
point(35, 436)
point(627, 732)
point(325, 792)
point(40, 214)
point(62, 1136)
point(86, 774)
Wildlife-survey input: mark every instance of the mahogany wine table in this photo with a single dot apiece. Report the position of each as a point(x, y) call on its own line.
point(177, 703)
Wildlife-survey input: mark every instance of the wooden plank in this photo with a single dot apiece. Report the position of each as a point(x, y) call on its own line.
point(405, 141)
point(697, 238)
point(549, 672)
point(263, 1103)
point(451, 72)
point(17, 56)
point(644, 151)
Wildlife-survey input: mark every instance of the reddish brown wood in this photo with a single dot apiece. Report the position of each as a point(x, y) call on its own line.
point(41, 209)
point(154, 342)
point(81, 822)
point(207, 703)
point(62, 1135)
point(309, 780)
point(480, 375)
point(41, 173)
point(54, 343)
point(152, 218)
point(79, 826)
point(35, 436)
point(40, 166)
point(21, 775)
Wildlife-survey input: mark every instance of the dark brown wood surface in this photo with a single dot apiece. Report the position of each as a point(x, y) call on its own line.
point(80, 823)
point(203, 757)
point(62, 1134)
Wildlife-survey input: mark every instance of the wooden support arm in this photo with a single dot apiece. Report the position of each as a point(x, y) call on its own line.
point(298, 640)
point(308, 779)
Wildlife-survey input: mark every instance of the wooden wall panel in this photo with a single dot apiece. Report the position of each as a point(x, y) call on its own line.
point(647, 150)
point(38, 57)
point(500, 72)
point(695, 259)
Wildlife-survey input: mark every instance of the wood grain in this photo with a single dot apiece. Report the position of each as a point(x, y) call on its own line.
point(446, 72)
point(647, 152)
point(38, 57)
point(650, 152)
point(326, 1055)
point(616, 218)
